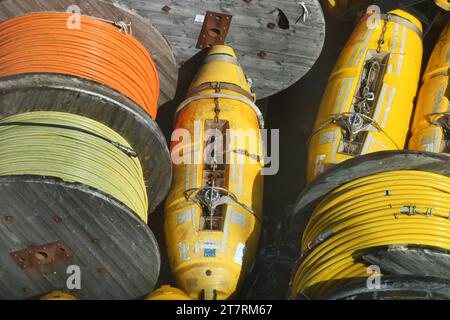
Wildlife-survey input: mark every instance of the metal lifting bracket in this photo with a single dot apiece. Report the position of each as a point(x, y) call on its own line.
point(34, 257)
point(215, 29)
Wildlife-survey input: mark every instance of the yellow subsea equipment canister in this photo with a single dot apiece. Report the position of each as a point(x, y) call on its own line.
point(345, 9)
point(213, 212)
point(368, 102)
point(58, 295)
point(444, 4)
point(431, 126)
point(168, 293)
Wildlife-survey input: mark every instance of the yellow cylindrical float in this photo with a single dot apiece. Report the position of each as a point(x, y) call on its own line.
point(431, 127)
point(168, 293)
point(74, 149)
point(58, 296)
point(444, 4)
point(213, 212)
point(368, 101)
point(382, 215)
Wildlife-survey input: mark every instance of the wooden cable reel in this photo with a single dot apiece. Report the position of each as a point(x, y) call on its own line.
point(116, 252)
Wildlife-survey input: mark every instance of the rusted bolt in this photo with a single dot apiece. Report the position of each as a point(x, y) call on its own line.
point(166, 8)
point(262, 54)
point(96, 242)
point(9, 218)
point(247, 1)
point(57, 219)
point(102, 270)
point(271, 25)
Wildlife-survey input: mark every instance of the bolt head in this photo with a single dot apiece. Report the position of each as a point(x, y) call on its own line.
point(262, 54)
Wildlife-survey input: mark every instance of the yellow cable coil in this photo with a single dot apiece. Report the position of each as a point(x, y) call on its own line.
point(35, 146)
point(368, 212)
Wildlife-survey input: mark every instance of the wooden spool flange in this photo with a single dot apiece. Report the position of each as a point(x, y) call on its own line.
point(273, 54)
point(115, 251)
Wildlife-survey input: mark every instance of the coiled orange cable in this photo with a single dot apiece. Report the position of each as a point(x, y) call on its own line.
point(98, 50)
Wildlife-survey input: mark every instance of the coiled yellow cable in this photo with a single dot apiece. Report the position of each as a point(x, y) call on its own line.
point(75, 149)
point(390, 208)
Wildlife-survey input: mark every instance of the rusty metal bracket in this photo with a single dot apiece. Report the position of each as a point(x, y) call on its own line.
point(35, 257)
point(215, 29)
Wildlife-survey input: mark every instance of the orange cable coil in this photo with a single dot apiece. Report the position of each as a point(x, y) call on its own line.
point(98, 51)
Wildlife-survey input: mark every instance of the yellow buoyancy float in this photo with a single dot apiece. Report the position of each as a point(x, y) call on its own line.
point(345, 9)
point(58, 295)
point(213, 212)
point(444, 4)
point(368, 102)
point(431, 127)
point(168, 293)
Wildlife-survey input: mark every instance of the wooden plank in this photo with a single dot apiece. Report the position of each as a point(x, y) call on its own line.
point(290, 52)
point(116, 252)
point(143, 31)
point(407, 259)
point(52, 92)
